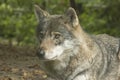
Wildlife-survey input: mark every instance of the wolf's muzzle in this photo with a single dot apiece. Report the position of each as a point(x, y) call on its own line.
point(41, 53)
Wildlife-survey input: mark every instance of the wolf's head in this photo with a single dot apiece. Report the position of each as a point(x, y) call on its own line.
point(57, 34)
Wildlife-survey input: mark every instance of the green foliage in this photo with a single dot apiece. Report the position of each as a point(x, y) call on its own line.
point(101, 16)
point(17, 20)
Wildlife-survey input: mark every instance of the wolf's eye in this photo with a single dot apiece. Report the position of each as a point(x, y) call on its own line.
point(58, 39)
point(41, 34)
point(57, 36)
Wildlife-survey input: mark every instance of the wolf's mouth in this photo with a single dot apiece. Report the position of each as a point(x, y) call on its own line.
point(52, 59)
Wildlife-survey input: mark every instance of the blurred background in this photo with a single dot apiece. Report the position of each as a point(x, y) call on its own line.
point(18, 22)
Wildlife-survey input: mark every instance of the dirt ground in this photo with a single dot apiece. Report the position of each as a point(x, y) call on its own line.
point(19, 63)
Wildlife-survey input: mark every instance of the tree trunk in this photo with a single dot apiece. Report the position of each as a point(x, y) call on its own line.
point(73, 4)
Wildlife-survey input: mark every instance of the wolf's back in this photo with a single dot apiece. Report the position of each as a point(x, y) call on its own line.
point(110, 48)
point(112, 44)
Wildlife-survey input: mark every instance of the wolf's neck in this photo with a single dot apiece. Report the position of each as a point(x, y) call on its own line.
point(85, 59)
point(80, 34)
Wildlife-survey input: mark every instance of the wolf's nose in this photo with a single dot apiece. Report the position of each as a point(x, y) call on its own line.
point(41, 53)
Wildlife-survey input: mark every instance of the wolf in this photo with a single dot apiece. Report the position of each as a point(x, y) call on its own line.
point(67, 52)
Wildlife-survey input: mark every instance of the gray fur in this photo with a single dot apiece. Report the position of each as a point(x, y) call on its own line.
point(91, 57)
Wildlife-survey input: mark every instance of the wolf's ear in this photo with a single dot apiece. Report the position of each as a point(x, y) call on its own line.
point(40, 14)
point(72, 17)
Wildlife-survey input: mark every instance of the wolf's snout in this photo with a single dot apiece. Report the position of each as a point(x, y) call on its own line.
point(41, 53)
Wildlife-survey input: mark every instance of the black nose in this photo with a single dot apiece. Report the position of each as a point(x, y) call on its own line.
point(41, 53)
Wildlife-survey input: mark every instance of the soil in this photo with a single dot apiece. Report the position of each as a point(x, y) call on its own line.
point(19, 63)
